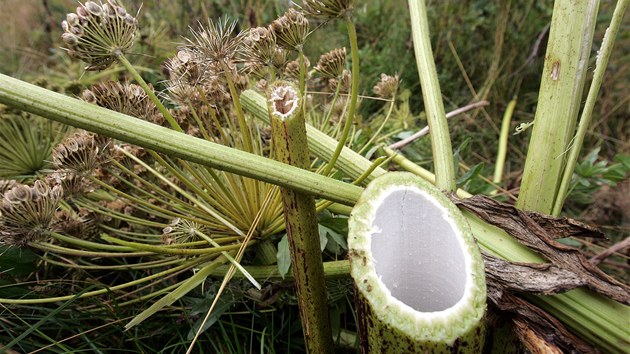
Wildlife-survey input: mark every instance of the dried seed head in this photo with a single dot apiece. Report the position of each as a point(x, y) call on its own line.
point(83, 225)
point(98, 33)
point(332, 64)
point(81, 153)
point(284, 99)
point(327, 9)
point(343, 83)
point(73, 185)
point(126, 98)
point(6, 184)
point(182, 231)
point(216, 45)
point(27, 212)
point(387, 86)
point(260, 46)
point(290, 30)
point(292, 70)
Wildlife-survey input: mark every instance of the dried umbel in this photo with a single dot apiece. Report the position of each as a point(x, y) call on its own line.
point(260, 46)
point(81, 153)
point(216, 45)
point(98, 33)
point(27, 211)
point(387, 86)
point(332, 64)
point(126, 98)
point(290, 30)
point(327, 9)
point(343, 83)
point(6, 184)
point(182, 231)
point(83, 224)
point(292, 70)
point(73, 185)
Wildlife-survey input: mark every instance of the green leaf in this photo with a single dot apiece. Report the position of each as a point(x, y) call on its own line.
point(323, 238)
point(284, 256)
point(623, 159)
point(16, 261)
point(470, 175)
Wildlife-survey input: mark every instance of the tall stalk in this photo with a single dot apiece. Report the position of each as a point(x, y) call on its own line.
point(563, 77)
point(433, 104)
point(587, 113)
point(291, 147)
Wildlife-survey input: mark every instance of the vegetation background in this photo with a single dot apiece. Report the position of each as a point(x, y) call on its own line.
point(483, 50)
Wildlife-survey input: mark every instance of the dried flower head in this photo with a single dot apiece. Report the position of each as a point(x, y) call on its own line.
point(99, 33)
point(387, 86)
point(290, 30)
point(27, 212)
point(216, 45)
point(182, 231)
point(332, 64)
point(260, 46)
point(126, 98)
point(343, 83)
point(327, 9)
point(83, 224)
point(73, 185)
point(6, 184)
point(80, 153)
point(292, 70)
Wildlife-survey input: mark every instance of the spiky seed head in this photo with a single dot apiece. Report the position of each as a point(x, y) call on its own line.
point(98, 33)
point(292, 70)
point(387, 86)
point(126, 98)
point(332, 64)
point(327, 9)
point(27, 212)
point(290, 30)
point(80, 153)
point(182, 231)
point(216, 44)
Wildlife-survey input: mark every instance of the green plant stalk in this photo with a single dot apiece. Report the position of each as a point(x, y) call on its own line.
point(584, 319)
point(348, 162)
point(437, 308)
point(559, 99)
point(51, 105)
point(432, 96)
point(354, 94)
point(167, 115)
point(332, 270)
point(503, 142)
point(591, 98)
point(291, 147)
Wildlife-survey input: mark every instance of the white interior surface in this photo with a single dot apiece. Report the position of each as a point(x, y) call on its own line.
point(417, 253)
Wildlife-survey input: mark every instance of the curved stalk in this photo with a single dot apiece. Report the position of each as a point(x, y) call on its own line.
point(354, 93)
point(433, 105)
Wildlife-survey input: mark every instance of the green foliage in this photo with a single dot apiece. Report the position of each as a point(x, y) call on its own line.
point(593, 173)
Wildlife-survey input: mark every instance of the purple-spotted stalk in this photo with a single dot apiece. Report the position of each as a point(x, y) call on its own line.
point(291, 147)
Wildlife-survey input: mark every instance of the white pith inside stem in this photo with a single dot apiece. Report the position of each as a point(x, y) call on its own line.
point(418, 251)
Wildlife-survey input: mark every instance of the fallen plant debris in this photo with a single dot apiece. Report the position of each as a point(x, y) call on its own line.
point(568, 268)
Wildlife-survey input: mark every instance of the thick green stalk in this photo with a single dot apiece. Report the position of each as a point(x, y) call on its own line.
point(354, 93)
point(587, 112)
point(503, 142)
point(291, 147)
point(51, 105)
point(418, 290)
point(433, 105)
point(564, 73)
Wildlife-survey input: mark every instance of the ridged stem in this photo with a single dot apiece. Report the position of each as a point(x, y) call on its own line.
point(559, 100)
point(503, 142)
point(587, 112)
point(291, 147)
point(433, 104)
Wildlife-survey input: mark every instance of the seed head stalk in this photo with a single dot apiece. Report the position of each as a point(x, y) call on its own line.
point(354, 92)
